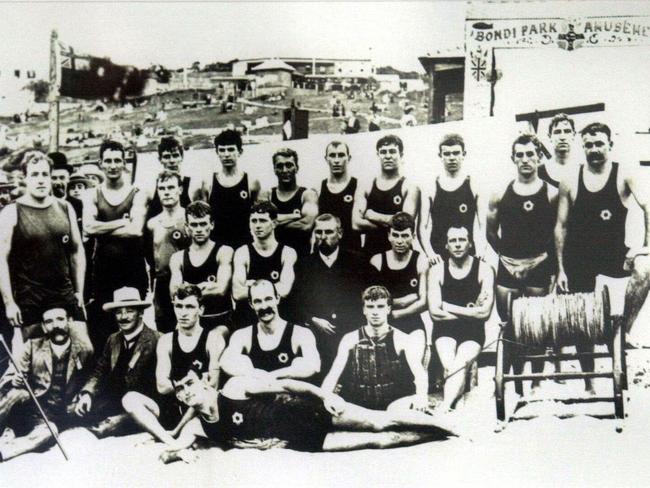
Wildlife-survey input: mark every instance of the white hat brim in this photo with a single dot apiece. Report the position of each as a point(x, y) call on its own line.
point(130, 303)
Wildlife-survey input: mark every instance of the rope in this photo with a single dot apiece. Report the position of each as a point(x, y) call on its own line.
point(557, 320)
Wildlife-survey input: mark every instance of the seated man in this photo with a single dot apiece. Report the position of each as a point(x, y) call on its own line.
point(461, 295)
point(272, 346)
point(126, 363)
point(247, 414)
point(188, 348)
point(377, 366)
point(54, 366)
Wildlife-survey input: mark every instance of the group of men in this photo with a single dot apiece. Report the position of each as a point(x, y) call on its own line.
point(260, 291)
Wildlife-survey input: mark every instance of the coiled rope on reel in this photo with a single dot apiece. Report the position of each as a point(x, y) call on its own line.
point(562, 320)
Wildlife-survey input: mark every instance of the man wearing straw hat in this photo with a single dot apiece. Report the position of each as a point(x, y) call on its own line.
point(54, 366)
point(126, 364)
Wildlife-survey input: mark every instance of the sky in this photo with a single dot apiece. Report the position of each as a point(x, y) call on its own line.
point(177, 34)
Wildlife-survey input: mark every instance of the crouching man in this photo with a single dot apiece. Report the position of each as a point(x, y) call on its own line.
point(55, 366)
point(126, 364)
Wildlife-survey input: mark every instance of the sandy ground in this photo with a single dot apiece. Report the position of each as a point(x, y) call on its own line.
point(545, 443)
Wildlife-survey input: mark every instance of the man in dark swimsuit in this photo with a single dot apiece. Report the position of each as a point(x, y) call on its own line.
point(42, 259)
point(297, 206)
point(114, 214)
point(389, 193)
point(377, 366)
point(460, 297)
point(206, 265)
point(590, 230)
point(230, 192)
point(264, 259)
point(452, 201)
point(271, 346)
point(403, 271)
point(520, 223)
point(189, 348)
point(336, 196)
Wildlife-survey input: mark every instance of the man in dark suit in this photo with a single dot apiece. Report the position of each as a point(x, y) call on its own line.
point(127, 364)
point(55, 367)
point(329, 283)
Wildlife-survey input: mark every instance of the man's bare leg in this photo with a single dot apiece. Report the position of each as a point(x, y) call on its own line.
point(349, 441)
point(454, 388)
point(637, 290)
point(419, 337)
point(145, 412)
point(38, 437)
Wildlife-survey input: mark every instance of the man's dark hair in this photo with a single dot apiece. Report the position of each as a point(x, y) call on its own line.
point(265, 207)
point(595, 127)
point(561, 117)
point(169, 143)
point(459, 227)
point(228, 137)
point(111, 145)
point(169, 175)
point(337, 144)
point(375, 293)
point(451, 140)
point(524, 139)
point(32, 157)
point(389, 140)
point(286, 152)
point(257, 283)
point(402, 221)
point(188, 290)
point(198, 210)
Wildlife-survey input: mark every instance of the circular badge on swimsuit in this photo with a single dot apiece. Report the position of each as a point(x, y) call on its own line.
point(243, 194)
point(528, 205)
point(347, 198)
point(605, 215)
point(462, 208)
point(237, 418)
point(176, 235)
point(296, 211)
point(212, 278)
point(397, 199)
point(275, 275)
point(333, 316)
point(65, 239)
point(283, 357)
point(471, 305)
point(126, 216)
point(414, 282)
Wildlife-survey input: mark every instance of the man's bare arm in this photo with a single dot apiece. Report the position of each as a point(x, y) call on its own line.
point(287, 274)
point(308, 212)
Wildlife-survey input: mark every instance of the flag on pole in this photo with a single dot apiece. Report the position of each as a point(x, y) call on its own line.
point(90, 77)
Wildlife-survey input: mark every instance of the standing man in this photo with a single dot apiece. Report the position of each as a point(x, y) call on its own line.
point(125, 365)
point(170, 155)
point(389, 193)
point(166, 235)
point(329, 314)
point(403, 271)
point(353, 125)
point(271, 347)
point(561, 132)
point(377, 366)
point(54, 366)
point(263, 259)
point(61, 172)
point(336, 196)
point(206, 265)
point(460, 297)
point(189, 348)
point(42, 259)
point(297, 206)
point(230, 192)
point(590, 230)
point(114, 214)
point(452, 201)
point(520, 223)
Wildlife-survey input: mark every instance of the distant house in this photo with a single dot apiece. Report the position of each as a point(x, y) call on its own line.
point(273, 76)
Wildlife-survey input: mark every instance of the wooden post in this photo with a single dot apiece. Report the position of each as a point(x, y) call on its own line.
point(53, 96)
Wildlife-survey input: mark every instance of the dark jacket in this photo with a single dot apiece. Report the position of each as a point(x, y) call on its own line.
point(140, 376)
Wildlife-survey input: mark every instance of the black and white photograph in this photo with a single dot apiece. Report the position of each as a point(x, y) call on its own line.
point(325, 244)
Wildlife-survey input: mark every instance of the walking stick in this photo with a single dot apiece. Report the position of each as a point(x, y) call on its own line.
point(31, 394)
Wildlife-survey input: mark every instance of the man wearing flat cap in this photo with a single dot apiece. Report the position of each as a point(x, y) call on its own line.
point(126, 364)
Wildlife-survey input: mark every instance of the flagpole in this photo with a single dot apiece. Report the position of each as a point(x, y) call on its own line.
point(54, 92)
